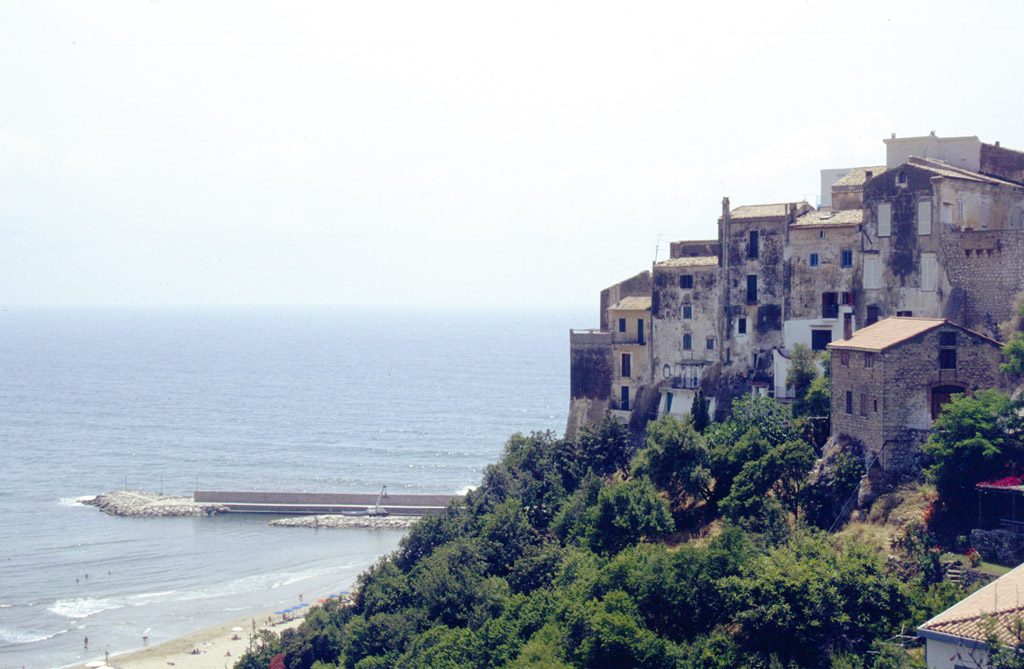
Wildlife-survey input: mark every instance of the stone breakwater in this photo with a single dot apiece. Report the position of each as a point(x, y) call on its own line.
point(142, 504)
point(333, 521)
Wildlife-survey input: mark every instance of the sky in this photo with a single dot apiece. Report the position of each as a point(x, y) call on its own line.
point(165, 152)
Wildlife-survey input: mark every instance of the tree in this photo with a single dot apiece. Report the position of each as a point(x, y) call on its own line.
point(676, 459)
point(604, 447)
point(802, 370)
point(973, 440)
point(699, 411)
point(627, 513)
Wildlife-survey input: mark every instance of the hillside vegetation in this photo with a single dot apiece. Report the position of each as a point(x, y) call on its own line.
point(697, 550)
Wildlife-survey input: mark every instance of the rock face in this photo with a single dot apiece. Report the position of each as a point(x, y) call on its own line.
point(142, 504)
point(334, 521)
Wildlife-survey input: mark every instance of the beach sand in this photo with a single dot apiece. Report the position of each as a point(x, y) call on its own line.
point(214, 642)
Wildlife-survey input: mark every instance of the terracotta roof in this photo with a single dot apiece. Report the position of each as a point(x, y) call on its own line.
point(690, 261)
point(1001, 602)
point(634, 303)
point(824, 218)
point(858, 176)
point(943, 169)
point(887, 333)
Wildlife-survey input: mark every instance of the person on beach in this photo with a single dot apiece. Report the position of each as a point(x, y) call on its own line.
point(87, 642)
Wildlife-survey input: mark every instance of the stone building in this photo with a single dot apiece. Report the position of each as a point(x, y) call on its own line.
point(890, 380)
point(936, 232)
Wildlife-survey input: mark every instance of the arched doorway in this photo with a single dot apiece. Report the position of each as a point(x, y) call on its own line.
point(943, 395)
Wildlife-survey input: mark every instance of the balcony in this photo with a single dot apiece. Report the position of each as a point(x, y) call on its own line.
point(830, 311)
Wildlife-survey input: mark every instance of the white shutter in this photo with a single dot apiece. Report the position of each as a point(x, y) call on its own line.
point(924, 217)
point(884, 219)
point(871, 274)
point(929, 271)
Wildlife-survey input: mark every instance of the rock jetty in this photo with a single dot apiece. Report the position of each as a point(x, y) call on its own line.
point(142, 504)
point(335, 521)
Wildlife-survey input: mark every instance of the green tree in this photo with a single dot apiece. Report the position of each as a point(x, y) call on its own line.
point(974, 439)
point(802, 370)
point(699, 411)
point(675, 459)
point(627, 513)
point(604, 447)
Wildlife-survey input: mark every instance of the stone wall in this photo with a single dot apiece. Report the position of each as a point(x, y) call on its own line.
point(989, 267)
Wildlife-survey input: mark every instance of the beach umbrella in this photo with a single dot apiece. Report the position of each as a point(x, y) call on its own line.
point(278, 613)
point(302, 605)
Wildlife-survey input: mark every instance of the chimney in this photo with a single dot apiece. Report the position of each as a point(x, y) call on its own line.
point(847, 326)
point(868, 174)
point(997, 144)
point(725, 206)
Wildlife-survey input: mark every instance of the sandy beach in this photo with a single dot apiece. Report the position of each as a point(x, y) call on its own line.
point(214, 644)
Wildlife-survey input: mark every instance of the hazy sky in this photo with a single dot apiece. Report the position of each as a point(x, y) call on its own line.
point(220, 152)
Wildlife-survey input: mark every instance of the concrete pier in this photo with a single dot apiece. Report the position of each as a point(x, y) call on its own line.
point(317, 503)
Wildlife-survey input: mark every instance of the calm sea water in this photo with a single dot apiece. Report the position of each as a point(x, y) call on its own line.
point(337, 400)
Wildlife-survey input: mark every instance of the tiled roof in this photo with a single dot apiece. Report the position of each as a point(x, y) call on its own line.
point(942, 169)
point(690, 261)
point(889, 332)
point(998, 607)
point(635, 303)
point(823, 218)
point(858, 176)
point(758, 211)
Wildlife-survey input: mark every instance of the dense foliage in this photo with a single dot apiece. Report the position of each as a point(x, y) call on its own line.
point(568, 555)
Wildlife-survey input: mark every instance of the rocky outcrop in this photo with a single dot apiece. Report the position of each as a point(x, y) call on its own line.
point(335, 521)
point(142, 504)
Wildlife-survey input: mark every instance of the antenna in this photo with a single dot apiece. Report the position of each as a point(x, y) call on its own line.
point(657, 245)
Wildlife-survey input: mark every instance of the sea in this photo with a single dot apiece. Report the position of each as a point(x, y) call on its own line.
point(285, 399)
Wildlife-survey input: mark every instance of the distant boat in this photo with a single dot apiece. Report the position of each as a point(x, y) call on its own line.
point(375, 510)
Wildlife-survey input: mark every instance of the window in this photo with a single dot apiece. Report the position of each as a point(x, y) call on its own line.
point(813, 260)
point(624, 398)
point(849, 402)
point(668, 402)
point(959, 210)
point(884, 219)
point(821, 234)
point(687, 312)
point(901, 177)
point(947, 350)
point(872, 277)
point(640, 331)
point(863, 405)
point(872, 314)
point(869, 360)
point(752, 250)
point(820, 339)
point(929, 271)
point(876, 406)
point(622, 325)
point(751, 289)
point(666, 371)
point(847, 299)
point(846, 258)
point(687, 342)
point(830, 305)
point(904, 314)
point(625, 364)
point(844, 358)
point(686, 281)
point(924, 217)
point(984, 214)
point(1017, 218)
point(741, 326)
point(709, 343)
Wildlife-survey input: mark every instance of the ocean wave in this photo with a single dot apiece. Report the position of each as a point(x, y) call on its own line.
point(26, 636)
point(82, 607)
point(75, 501)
